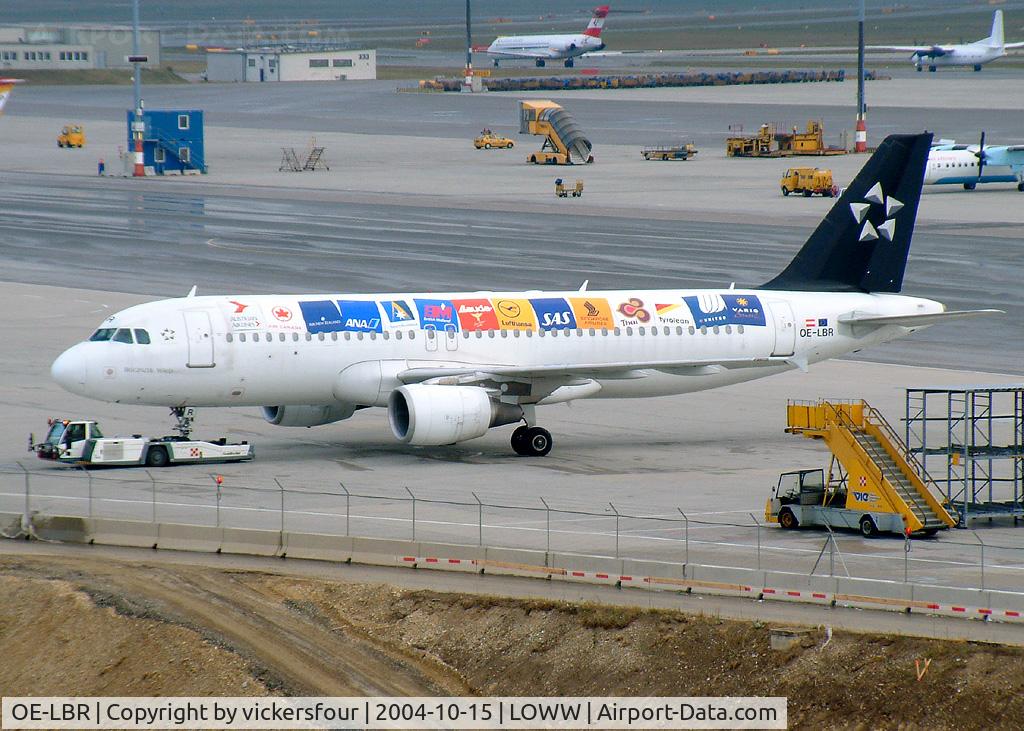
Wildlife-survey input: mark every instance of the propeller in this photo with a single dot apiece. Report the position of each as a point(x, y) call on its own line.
point(980, 154)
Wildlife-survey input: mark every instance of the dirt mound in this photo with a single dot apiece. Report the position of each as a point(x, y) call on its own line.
point(83, 626)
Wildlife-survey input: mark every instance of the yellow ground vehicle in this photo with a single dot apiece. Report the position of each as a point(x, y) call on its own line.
point(669, 152)
point(809, 181)
point(487, 139)
point(563, 192)
point(874, 484)
point(564, 143)
point(72, 135)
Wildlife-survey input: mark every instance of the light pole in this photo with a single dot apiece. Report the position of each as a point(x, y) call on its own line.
point(468, 83)
point(138, 126)
point(861, 136)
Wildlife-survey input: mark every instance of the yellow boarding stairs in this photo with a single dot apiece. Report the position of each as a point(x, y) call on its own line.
point(563, 139)
point(882, 477)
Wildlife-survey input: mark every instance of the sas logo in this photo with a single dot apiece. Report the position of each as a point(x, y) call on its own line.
point(282, 314)
point(554, 314)
point(633, 309)
point(865, 497)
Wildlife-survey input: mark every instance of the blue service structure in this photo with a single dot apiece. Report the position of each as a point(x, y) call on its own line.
point(173, 140)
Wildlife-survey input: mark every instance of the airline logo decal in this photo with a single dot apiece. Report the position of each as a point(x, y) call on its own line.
point(359, 316)
point(592, 313)
point(725, 309)
point(476, 314)
point(398, 311)
point(321, 316)
point(515, 314)
point(672, 314)
point(554, 313)
point(281, 314)
point(633, 312)
point(886, 229)
point(437, 314)
point(283, 318)
point(243, 316)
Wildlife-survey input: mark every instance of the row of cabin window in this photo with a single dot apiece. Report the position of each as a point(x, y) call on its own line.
point(451, 334)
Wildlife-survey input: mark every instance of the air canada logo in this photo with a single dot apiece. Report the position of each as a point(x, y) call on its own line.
point(886, 229)
point(282, 314)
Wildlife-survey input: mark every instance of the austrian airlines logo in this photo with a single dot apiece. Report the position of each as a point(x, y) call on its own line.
point(887, 229)
point(239, 307)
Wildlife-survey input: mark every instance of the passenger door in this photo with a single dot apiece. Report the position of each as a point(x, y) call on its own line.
point(200, 339)
point(785, 328)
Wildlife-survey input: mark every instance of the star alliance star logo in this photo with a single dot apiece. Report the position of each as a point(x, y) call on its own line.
point(887, 229)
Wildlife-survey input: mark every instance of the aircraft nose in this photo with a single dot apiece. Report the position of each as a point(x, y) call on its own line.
point(69, 370)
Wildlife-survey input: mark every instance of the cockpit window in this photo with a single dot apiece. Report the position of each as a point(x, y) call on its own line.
point(142, 337)
point(123, 335)
point(104, 333)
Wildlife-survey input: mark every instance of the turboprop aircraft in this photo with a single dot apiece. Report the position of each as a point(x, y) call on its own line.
point(448, 367)
point(969, 165)
point(542, 48)
point(960, 54)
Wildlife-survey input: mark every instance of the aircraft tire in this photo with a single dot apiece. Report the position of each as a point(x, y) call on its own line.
point(157, 457)
point(1020, 187)
point(534, 442)
point(519, 439)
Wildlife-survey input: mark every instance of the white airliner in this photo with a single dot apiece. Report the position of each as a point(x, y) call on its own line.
point(960, 54)
point(969, 165)
point(554, 47)
point(448, 367)
point(6, 88)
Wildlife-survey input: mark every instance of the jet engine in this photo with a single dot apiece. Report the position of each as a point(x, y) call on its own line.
point(431, 415)
point(312, 415)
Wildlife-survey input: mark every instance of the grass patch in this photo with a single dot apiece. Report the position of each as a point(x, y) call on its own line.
point(80, 77)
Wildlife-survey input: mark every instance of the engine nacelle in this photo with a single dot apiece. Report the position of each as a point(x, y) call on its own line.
point(313, 415)
point(432, 415)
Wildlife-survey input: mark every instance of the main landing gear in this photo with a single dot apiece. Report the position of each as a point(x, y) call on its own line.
point(531, 441)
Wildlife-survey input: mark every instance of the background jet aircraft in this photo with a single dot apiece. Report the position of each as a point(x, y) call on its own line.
point(969, 165)
point(960, 54)
point(543, 48)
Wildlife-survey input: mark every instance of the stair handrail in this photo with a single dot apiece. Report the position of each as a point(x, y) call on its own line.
point(845, 420)
point(926, 479)
point(194, 160)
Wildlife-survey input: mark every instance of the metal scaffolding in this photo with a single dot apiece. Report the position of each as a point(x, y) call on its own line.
point(971, 441)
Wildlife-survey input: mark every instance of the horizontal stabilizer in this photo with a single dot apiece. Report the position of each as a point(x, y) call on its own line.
point(928, 318)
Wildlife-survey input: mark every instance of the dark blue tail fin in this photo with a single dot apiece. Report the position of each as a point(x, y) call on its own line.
point(863, 243)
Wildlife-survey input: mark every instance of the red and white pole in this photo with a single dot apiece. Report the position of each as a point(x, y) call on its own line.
point(137, 129)
point(861, 136)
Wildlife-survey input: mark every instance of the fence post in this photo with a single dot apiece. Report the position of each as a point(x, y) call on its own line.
point(348, 507)
point(218, 481)
point(88, 476)
point(479, 520)
point(758, 524)
point(413, 512)
point(152, 488)
point(26, 518)
point(686, 537)
point(547, 526)
point(906, 557)
point(616, 530)
point(281, 487)
point(981, 545)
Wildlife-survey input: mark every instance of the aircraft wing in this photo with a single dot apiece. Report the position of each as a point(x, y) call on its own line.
point(1014, 45)
point(530, 52)
point(933, 51)
point(929, 318)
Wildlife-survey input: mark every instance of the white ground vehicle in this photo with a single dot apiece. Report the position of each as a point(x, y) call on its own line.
point(81, 442)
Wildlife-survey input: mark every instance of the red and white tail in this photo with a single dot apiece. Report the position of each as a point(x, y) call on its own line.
point(597, 22)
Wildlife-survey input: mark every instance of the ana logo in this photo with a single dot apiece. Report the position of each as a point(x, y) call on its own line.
point(887, 229)
point(239, 307)
point(282, 313)
point(634, 308)
point(509, 309)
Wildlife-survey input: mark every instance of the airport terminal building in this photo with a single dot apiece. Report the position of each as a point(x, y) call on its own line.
point(67, 47)
point(291, 64)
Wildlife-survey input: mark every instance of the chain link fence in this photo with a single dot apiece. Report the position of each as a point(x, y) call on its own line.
point(961, 558)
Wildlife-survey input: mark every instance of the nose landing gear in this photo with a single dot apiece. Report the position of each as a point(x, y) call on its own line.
point(184, 416)
point(531, 441)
